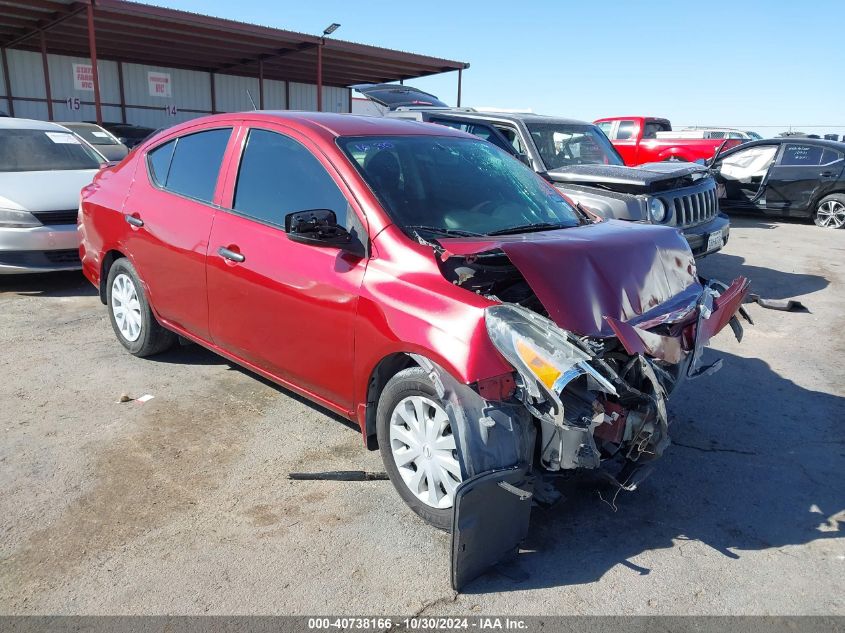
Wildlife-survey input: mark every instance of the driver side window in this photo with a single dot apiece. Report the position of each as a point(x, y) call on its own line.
point(278, 176)
point(748, 163)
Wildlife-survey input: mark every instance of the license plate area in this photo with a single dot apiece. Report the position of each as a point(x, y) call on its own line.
point(715, 241)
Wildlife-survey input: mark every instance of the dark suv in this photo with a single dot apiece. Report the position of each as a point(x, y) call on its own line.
point(579, 159)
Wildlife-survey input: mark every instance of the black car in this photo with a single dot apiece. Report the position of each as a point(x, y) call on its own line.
point(579, 160)
point(129, 135)
point(785, 176)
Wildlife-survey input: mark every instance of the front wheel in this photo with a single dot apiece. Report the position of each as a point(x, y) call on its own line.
point(130, 314)
point(418, 447)
point(830, 212)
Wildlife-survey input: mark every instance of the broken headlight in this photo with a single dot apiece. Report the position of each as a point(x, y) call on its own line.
point(542, 353)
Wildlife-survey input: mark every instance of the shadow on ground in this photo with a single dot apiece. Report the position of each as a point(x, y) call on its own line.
point(766, 282)
point(743, 474)
point(63, 284)
point(761, 221)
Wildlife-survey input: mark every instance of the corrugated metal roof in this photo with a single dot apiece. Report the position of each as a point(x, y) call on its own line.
point(141, 33)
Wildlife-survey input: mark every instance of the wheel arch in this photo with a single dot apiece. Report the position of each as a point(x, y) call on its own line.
point(108, 260)
point(840, 190)
point(383, 371)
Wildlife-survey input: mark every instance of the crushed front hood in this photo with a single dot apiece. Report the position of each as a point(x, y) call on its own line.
point(644, 177)
point(609, 269)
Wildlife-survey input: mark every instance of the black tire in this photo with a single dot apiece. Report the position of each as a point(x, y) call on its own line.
point(409, 382)
point(153, 338)
point(834, 199)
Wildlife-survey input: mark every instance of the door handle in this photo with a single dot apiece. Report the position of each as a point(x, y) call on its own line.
point(827, 174)
point(131, 219)
point(231, 255)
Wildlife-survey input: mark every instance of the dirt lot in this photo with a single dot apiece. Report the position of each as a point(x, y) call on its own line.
point(181, 505)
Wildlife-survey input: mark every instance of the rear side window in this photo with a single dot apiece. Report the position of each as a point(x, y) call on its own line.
point(797, 155)
point(278, 176)
point(189, 165)
point(625, 130)
point(606, 126)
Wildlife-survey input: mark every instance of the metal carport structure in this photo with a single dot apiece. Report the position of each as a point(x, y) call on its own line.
point(127, 32)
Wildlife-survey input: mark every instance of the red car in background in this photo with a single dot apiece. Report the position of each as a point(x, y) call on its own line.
point(479, 328)
point(643, 140)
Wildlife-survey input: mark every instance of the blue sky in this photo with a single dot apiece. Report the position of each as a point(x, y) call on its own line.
point(746, 63)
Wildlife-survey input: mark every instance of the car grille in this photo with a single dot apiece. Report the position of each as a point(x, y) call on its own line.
point(56, 217)
point(691, 206)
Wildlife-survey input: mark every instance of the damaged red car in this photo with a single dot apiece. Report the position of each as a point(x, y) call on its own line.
point(481, 330)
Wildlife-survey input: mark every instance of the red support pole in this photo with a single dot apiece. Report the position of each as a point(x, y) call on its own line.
point(460, 73)
point(47, 90)
point(8, 82)
point(320, 77)
point(260, 84)
point(122, 95)
point(92, 49)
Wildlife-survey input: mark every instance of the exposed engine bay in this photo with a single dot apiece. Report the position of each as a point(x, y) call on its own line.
point(596, 398)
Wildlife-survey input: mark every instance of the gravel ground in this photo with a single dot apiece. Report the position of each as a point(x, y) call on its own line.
point(181, 505)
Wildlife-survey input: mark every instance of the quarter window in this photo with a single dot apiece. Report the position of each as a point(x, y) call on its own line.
point(278, 176)
point(625, 130)
point(189, 165)
point(159, 160)
point(831, 156)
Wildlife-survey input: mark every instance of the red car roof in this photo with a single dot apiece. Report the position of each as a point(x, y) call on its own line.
point(329, 124)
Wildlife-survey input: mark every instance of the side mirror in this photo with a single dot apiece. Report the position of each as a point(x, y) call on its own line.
point(319, 227)
point(523, 158)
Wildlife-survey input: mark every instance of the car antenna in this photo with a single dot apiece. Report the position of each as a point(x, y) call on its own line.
point(251, 100)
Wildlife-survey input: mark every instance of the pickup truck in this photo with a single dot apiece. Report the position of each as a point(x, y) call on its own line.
point(579, 160)
point(643, 140)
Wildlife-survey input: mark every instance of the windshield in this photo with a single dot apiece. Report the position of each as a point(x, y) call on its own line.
point(93, 135)
point(563, 145)
point(44, 150)
point(455, 186)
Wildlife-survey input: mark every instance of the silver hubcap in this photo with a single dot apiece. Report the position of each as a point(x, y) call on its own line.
point(126, 308)
point(831, 214)
point(424, 450)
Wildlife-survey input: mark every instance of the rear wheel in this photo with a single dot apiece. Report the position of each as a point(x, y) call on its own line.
point(418, 446)
point(129, 311)
point(830, 212)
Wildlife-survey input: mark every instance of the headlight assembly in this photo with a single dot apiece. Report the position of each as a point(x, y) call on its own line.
point(542, 353)
point(656, 210)
point(17, 219)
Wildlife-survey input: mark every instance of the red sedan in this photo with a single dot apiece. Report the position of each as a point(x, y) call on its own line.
point(480, 329)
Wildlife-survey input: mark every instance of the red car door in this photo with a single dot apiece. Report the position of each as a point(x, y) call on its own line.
point(170, 209)
point(626, 140)
point(287, 308)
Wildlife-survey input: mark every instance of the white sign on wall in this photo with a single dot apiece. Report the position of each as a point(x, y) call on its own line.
point(83, 77)
point(159, 84)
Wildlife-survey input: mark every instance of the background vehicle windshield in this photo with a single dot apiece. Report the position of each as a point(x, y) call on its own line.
point(44, 150)
point(93, 135)
point(456, 186)
point(564, 145)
